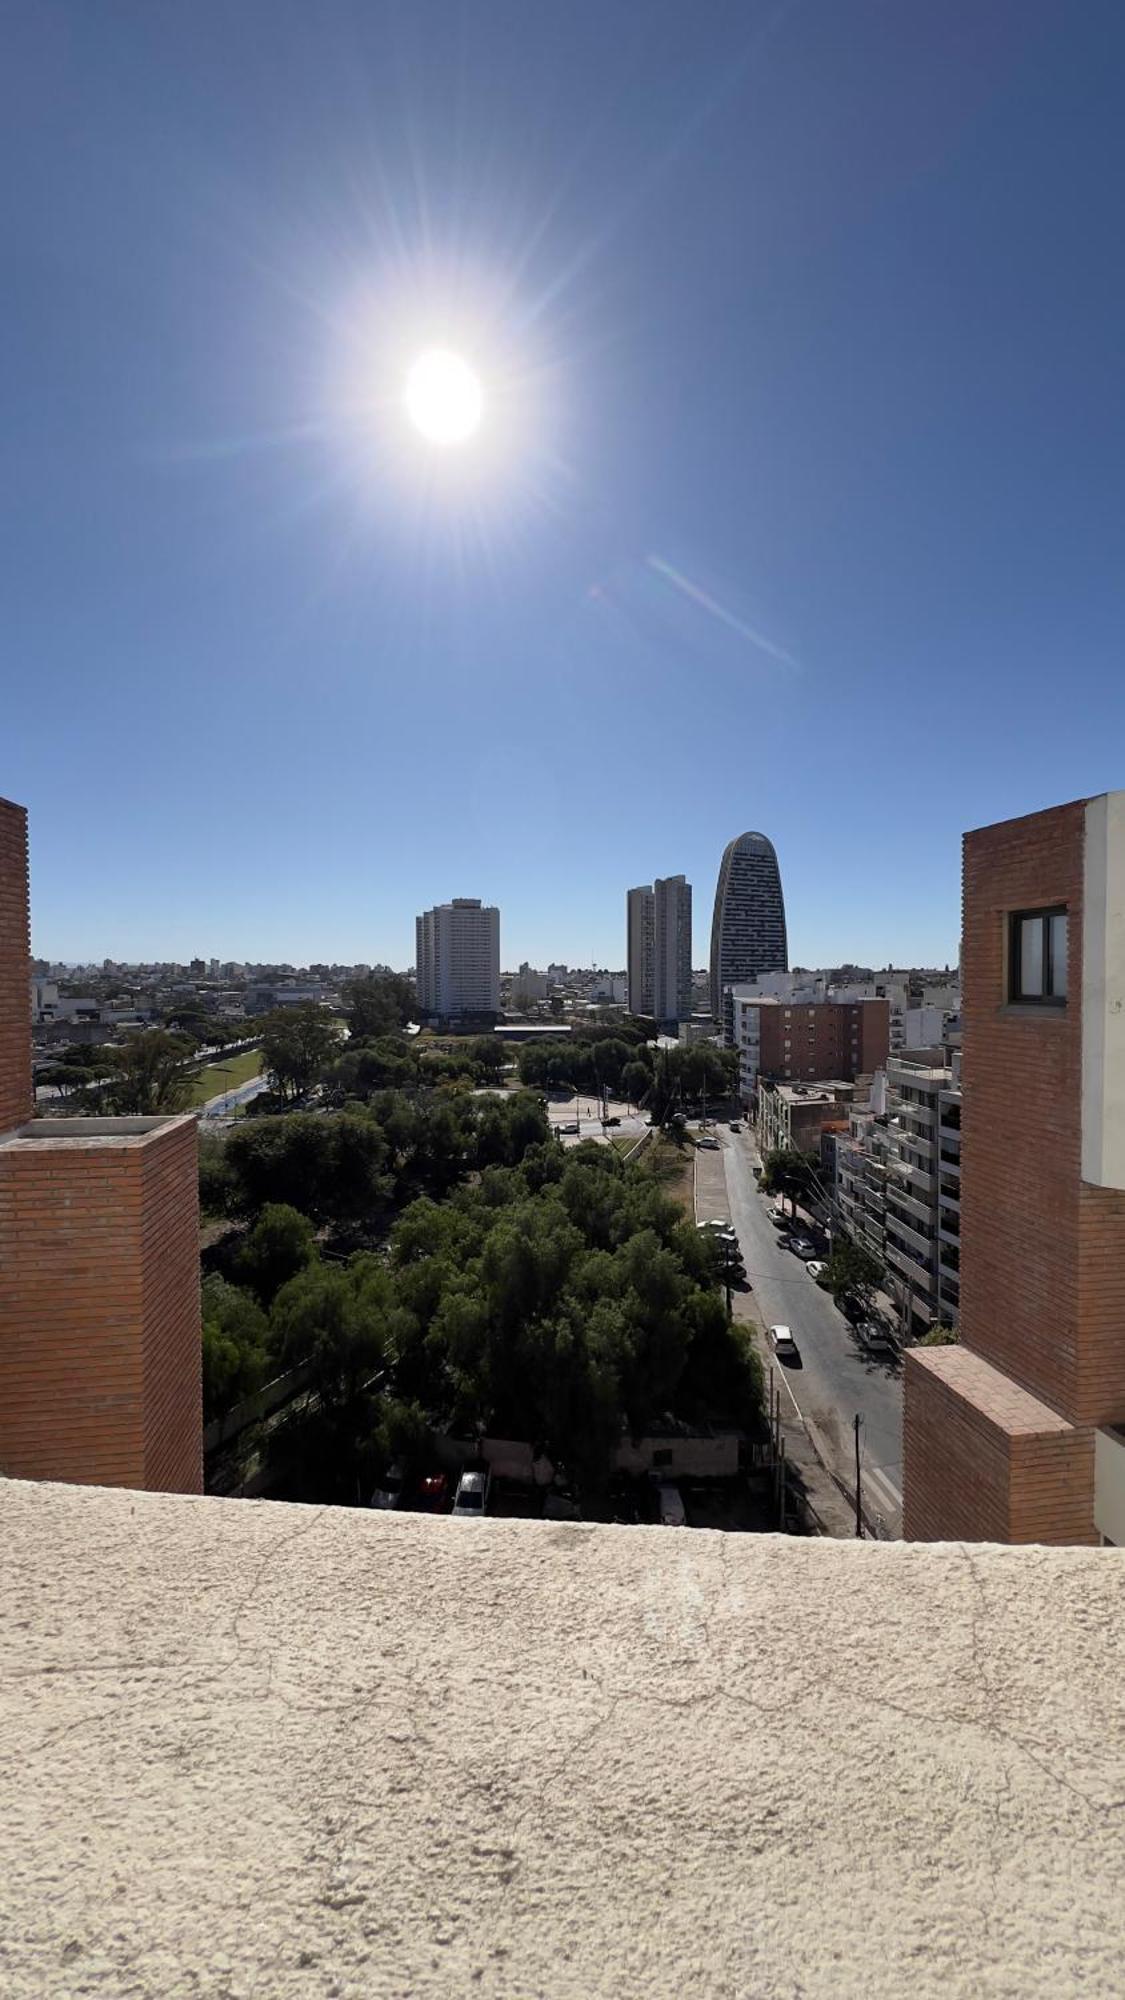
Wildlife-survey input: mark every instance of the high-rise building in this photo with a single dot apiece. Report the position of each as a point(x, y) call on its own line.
point(639, 949)
point(748, 926)
point(1018, 1433)
point(100, 1350)
point(457, 965)
point(671, 949)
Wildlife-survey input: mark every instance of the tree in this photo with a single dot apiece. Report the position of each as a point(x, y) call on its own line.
point(635, 1080)
point(488, 1054)
point(148, 1074)
point(296, 1043)
point(235, 1346)
point(281, 1243)
point(378, 1005)
point(852, 1271)
point(788, 1172)
point(941, 1335)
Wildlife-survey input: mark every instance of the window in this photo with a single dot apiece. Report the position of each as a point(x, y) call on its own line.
point(1037, 958)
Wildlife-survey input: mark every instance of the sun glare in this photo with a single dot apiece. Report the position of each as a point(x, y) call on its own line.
point(443, 397)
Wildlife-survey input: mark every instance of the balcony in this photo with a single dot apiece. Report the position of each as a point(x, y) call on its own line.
point(918, 1180)
point(917, 1140)
point(919, 1274)
point(923, 1112)
point(949, 1259)
point(950, 1135)
point(914, 1211)
point(919, 1240)
point(949, 1195)
point(949, 1227)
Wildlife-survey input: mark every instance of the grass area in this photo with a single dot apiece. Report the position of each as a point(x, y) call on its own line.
point(674, 1167)
point(225, 1075)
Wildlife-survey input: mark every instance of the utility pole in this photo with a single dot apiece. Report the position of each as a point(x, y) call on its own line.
point(858, 1509)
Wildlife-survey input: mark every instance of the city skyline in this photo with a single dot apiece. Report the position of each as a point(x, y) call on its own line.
point(797, 447)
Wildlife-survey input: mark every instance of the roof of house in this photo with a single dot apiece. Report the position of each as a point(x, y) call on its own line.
point(251, 1749)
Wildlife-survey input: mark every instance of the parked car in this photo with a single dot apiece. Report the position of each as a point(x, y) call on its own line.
point(816, 1267)
point(714, 1222)
point(802, 1248)
point(875, 1337)
point(433, 1491)
point(388, 1493)
point(783, 1344)
point(611, 1121)
point(472, 1493)
point(709, 1144)
point(572, 1127)
point(561, 1505)
point(779, 1218)
point(736, 1124)
point(670, 1510)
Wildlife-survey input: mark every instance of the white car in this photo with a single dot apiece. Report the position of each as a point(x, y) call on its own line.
point(472, 1495)
point(875, 1337)
point(389, 1492)
point(708, 1144)
point(802, 1248)
point(783, 1344)
point(816, 1267)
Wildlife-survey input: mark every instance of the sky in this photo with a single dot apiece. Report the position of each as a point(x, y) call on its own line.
point(797, 504)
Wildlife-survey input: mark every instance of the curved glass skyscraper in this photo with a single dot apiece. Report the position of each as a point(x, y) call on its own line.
point(748, 928)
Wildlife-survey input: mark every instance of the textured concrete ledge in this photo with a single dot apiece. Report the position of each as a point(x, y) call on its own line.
point(255, 1750)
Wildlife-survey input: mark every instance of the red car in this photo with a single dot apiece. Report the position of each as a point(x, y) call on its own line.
point(433, 1492)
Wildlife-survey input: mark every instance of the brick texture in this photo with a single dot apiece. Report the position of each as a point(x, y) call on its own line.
point(826, 1038)
point(985, 1462)
point(1042, 1253)
point(99, 1309)
point(16, 1099)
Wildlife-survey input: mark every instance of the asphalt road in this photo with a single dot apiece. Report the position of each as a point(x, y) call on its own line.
point(224, 1104)
point(836, 1377)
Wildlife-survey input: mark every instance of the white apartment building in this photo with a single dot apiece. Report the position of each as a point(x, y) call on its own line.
point(923, 1186)
point(639, 920)
point(457, 963)
point(671, 949)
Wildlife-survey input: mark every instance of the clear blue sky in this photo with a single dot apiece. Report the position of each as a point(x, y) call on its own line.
point(799, 503)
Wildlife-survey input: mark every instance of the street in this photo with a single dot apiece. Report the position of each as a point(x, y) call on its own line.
point(836, 1377)
point(227, 1101)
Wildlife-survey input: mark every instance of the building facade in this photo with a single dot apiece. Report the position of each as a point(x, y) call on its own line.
point(100, 1342)
point(671, 949)
point(457, 959)
point(796, 1115)
point(923, 1188)
point(748, 924)
point(639, 919)
point(1019, 1434)
point(806, 1041)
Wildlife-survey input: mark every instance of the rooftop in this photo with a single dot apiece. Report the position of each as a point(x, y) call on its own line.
point(259, 1750)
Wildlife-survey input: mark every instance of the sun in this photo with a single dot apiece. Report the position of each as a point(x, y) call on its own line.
point(443, 397)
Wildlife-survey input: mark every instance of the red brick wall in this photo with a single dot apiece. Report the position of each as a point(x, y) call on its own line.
point(172, 1353)
point(1042, 1253)
point(972, 1475)
point(99, 1311)
point(955, 1474)
point(848, 1038)
point(16, 1102)
point(1021, 1114)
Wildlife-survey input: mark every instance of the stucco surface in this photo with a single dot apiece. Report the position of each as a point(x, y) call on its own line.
point(252, 1750)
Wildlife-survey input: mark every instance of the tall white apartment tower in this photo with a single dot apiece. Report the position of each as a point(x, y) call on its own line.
point(457, 964)
point(671, 949)
point(639, 949)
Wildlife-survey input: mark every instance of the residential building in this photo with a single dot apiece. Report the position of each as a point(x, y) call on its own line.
point(748, 923)
point(528, 985)
point(457, 966)
point(100, 1344)
point(671, 949)
point(923, 1187)
point(797, 1114)
point(805, 1041)
point(1018, 1434)
point(639, 921)
point(862, 1170)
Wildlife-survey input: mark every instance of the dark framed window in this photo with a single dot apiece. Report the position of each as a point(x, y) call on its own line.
point(1037, 958)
